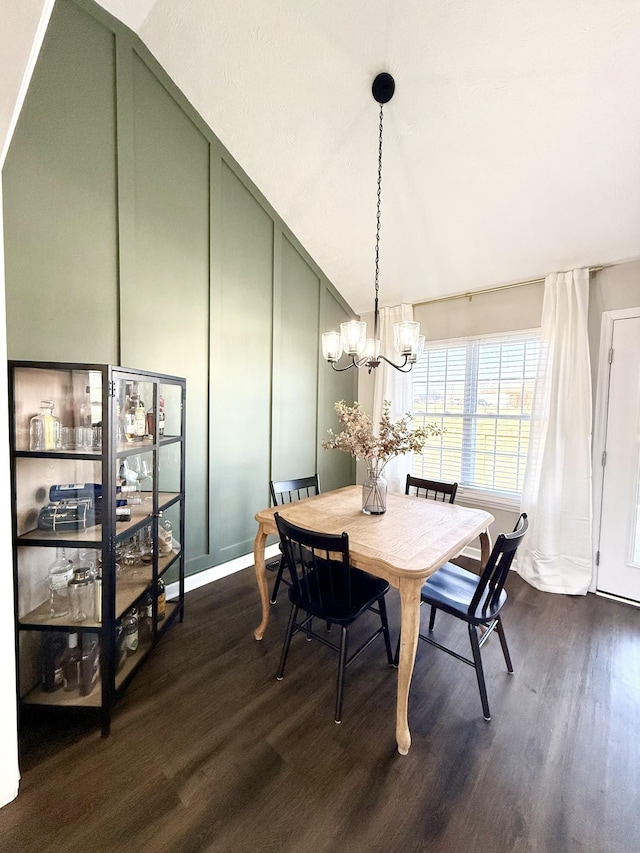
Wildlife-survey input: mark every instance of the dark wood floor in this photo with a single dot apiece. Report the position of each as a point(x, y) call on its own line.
point(208, 752)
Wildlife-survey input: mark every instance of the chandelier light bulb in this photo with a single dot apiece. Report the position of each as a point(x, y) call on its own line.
point(331, 346)
point(371, 350)
point(405, 336)
point(417, 352)
point(354, 334)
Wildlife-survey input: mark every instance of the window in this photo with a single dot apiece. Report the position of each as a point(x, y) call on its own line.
point(480, 390)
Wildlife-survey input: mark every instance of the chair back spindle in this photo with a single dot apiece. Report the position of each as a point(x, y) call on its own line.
point(486, 599)
point(287, 491)
point(319, 570)
point(434, 489)
point(284, 492)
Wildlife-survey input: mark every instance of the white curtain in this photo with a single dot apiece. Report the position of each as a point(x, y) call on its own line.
point(390, 384)
point(556, 554)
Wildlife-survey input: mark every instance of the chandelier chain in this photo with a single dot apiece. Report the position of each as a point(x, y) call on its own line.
point(379, 193)
point(352, 339)
point(378, 202)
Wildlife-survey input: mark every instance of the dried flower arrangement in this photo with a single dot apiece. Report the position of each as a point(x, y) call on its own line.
point(393, 438)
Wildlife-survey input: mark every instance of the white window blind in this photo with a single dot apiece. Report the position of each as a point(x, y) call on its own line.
point(481, 391)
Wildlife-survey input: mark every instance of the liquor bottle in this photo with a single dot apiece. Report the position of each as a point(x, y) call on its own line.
point(161, 599)
point(54, 646)
point(89, 663)
point(121, 648)
point(60, 573)
point(151, 422)
point(165, 536)
point(135, 419)
point(125, 489)
point(44, 429)
point(130, 625)
point(123, 513)
point(71, 665)
point(85, 409)
point(139, 418)
point(125, 494)
point(145, 620)
point(161, 416)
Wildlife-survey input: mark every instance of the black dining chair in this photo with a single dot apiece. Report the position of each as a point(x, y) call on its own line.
point(435, 489)
point(477, 600)
point(283, 492)
point(323, 584)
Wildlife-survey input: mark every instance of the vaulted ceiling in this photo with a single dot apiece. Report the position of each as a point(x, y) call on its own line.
point(511, 146)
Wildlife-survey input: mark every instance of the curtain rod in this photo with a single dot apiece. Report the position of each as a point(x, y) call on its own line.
point(471, 293)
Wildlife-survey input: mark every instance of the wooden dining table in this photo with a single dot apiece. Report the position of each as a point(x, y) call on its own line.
point(404, 545)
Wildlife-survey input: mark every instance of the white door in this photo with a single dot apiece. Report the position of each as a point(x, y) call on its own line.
point(619, 544)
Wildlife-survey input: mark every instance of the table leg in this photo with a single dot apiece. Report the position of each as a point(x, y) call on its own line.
point(261, 577)
point(409, 627)
point(485, 548)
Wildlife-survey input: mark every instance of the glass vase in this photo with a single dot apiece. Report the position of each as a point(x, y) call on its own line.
point(374, 492)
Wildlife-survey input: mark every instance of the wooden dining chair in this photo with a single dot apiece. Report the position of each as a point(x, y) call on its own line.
point(283, 492)
point(435, 489)
point(476, 600)
point(323, 584)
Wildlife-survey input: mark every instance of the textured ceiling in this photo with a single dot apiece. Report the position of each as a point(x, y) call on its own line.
point(511, 146)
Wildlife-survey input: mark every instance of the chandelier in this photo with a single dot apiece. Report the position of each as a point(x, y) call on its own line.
point(352, 338)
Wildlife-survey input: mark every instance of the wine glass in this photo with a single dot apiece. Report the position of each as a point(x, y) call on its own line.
point(139, 469)
point(146, 473)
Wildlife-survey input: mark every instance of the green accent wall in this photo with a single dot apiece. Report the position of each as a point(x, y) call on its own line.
point(295, 392)
point(166, 233)
point(133, 237)
point(240, 367)
point(334, 467)
point(60, 201)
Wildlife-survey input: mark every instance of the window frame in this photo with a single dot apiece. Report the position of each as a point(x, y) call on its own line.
point(472, 494)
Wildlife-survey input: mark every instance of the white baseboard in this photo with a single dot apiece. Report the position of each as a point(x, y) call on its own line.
point(216, 572)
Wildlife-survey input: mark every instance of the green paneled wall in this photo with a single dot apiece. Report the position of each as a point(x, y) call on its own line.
point(334, 467)
point(132, 236)
point(295, 386)
point(164, 290)
point(59, 188)
point(241, 373)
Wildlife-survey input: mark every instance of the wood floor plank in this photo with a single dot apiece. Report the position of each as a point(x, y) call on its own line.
point(209, 752)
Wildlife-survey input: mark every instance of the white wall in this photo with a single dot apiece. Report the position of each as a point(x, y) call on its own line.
point(611, 289)
point(23, 28)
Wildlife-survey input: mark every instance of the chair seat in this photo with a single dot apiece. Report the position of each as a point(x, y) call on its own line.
point(323, 594)
point(452, 588)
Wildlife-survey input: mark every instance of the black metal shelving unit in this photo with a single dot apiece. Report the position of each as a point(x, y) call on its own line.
point(102, 390)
